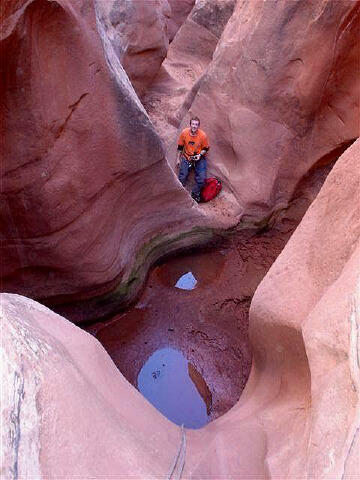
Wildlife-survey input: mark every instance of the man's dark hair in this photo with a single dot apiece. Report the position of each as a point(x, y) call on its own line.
point(197, 119)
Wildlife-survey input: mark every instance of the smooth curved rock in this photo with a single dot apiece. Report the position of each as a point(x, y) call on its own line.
point(304, 322)
point(138, 32)
point(173, 89)
point(66, 409)
point(298, 416)
point(180, 9)
point(88, 199)
point(280, 94)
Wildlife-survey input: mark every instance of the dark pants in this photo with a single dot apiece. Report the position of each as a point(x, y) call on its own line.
point(200, 173)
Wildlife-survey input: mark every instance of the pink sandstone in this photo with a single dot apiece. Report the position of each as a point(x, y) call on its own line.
point(138, 32)
point(69, 412)
point(83, 212)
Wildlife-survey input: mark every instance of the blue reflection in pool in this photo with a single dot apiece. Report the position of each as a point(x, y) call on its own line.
point(186, 282)
point(164, 380)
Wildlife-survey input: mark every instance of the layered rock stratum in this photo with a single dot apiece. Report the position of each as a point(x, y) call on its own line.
point(88, 196)
point(86, 192)
point(71, 413)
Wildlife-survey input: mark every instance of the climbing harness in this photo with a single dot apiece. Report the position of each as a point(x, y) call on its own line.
point(179, 460)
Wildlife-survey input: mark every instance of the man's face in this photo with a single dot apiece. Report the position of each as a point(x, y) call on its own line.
point(194, 126)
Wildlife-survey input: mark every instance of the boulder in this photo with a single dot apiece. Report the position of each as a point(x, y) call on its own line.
point(271, 107)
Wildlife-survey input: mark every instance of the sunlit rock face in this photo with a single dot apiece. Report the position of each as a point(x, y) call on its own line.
point(281, 93)
point(59, 393)
point(85, 184)
point(138, 32)
point(304, 323)
point(297, 418)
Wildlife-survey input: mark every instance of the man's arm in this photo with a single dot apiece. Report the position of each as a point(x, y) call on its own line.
point(204, 146)
point(178, 155)
point(180, 148)
point(202, 153)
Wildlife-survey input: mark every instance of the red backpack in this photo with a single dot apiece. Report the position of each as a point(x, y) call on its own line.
point(210, 189)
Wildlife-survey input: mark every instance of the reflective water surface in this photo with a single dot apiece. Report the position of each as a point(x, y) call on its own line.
point(175, 388)
point(186, 282)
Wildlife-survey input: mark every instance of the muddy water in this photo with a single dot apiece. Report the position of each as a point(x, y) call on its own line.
point(198, 304)
point(184, 308)
point(175, 388)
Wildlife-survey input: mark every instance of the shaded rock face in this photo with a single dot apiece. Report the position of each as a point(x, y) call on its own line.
point(138, 32)
point(297, 418)
point(180, 9)
point(280, 93)
point(78, 154)
point(173, 89)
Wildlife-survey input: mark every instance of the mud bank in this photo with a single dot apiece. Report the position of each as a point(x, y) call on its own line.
point(208, 323)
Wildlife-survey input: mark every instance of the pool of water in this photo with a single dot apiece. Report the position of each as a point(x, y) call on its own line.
point(186, 282)
point(192, 270)
point(175, 388)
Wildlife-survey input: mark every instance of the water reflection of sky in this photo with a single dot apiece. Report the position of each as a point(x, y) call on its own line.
point(164, 380)
point(186, 282)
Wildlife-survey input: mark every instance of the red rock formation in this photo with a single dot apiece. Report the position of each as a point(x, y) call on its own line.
point(86, 190)
point(180, 9)
point(170, 95)
point(281, 92)
point(304, 320)
point(298, 416)
point(138, 32)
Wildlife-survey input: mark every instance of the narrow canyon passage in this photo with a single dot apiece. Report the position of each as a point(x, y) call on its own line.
point(197, 304)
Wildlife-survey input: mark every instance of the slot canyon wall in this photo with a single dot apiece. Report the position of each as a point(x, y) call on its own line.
point(280, 93)
point(81, 198)
point(89, 200)
point(298, 416)
point(88, 197)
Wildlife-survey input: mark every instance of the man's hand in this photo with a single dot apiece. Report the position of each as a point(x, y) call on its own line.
point(178, 162)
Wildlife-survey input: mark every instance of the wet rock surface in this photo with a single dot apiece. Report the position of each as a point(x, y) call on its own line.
point(208, 323)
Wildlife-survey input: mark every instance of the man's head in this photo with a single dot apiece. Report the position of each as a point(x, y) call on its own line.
point(194, 124)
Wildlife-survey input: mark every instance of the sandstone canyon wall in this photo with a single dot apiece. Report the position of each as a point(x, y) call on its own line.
point(280, 93)
point(88, 199)
point(71, 413)
point(81, 197)
point(173, 89)
point(139, 35)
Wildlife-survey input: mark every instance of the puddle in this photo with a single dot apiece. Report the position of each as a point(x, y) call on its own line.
point(203, 267)
point(186, 282)
point(175, 388)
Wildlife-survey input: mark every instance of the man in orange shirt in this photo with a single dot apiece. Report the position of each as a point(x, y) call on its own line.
point(192, 148)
